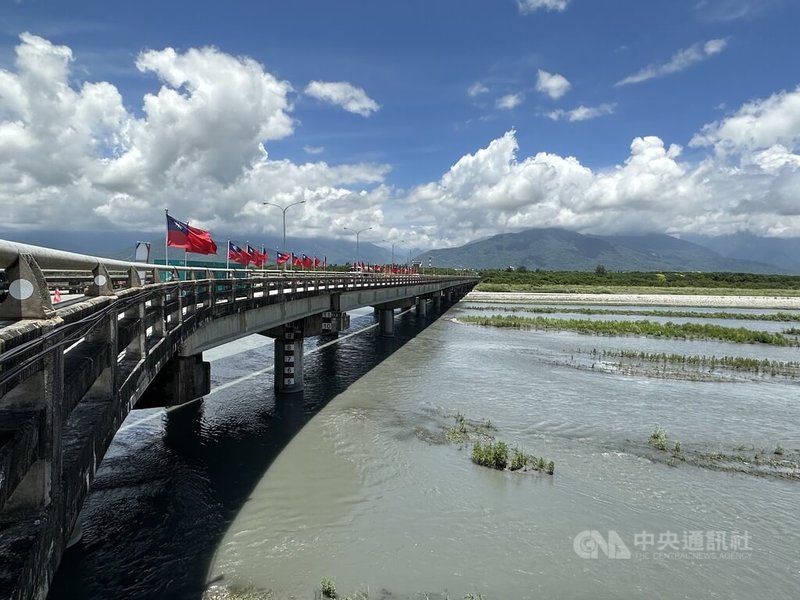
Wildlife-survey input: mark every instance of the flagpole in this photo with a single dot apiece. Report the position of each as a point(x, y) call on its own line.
point(228, 256)
point(166, 240)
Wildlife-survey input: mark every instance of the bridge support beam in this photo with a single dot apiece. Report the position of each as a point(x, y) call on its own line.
point(289, 359)
point(182, 379)
point(437, 301)
point(386, 321)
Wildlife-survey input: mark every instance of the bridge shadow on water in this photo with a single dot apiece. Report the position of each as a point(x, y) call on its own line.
point(168, 489)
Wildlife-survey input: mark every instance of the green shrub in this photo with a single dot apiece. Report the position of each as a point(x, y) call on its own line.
point(518, 460)
point(658, 439)
point(328, 588)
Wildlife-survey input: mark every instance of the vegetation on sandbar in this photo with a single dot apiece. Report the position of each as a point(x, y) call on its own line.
point(761, 366)
point(739, 335)
point(495, 456)
point(608, 281)
point(750, 461)
point(782, 317)
point(465, 430)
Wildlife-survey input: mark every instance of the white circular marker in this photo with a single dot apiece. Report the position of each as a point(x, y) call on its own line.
point(100, 280)
point(20, 289)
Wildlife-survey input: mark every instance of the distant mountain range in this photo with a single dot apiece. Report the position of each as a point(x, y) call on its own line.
point(559, 249)
point(549, 249)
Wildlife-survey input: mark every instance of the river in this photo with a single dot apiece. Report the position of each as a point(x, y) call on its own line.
point(242, 489)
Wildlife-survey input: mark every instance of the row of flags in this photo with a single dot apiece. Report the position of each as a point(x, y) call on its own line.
point(193, 239)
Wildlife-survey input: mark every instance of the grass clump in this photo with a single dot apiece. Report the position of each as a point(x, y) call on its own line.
point(778, 450)
point(677, 451)
point(493, 455)
point(658, 439)
point(328, 588)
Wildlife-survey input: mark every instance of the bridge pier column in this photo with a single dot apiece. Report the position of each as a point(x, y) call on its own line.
point(422, 307)
point(386, 321)
point(289, 360)
point(437, 302)
point(182, 379)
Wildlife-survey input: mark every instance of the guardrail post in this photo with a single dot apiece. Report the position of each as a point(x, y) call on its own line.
point(134, 278)
point(101, 282)
point(28, 297)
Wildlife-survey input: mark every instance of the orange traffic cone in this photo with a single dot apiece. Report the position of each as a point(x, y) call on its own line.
point(56, 296)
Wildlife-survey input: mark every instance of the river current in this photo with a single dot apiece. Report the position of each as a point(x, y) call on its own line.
point(242, 489)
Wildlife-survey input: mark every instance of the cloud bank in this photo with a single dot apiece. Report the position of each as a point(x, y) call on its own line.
point(74, 155)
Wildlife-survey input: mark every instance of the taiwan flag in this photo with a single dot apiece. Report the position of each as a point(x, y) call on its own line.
point(259, 258)
point(191, 239)
point(236, 254)
point(317, 262)
point(282, 259)
point(308, 262)
point(296, 260)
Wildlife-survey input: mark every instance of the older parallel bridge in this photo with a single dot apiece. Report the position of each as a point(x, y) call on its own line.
point(70, 373)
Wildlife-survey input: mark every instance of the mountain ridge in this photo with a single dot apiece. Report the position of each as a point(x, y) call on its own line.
point(564, 250)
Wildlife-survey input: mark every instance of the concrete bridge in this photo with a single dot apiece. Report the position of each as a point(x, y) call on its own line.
point(71, 372)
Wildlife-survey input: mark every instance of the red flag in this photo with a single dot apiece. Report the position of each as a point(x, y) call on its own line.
point(296, 260)
point(317, 262)
point(282, 259)
point(191, 239)
point(258, 257)
point(236, 254)
point(307, 262)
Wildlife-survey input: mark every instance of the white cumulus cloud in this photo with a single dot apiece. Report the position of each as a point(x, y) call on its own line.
point(341, 93)
point(74, 156)
point(750, 182)
point(680, 61)
point(552, 84)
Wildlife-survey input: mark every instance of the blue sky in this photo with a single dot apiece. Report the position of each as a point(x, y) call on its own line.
point(466, 117)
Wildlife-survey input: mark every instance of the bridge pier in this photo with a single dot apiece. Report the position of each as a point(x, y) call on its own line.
point(182, 379)
point(386, 321)
point(422, 307)
point(289, 359)
point(437, 301)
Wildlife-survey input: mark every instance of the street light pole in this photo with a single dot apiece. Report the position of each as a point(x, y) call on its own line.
point(284, 209)
point(393, 245)
point(358, 233)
